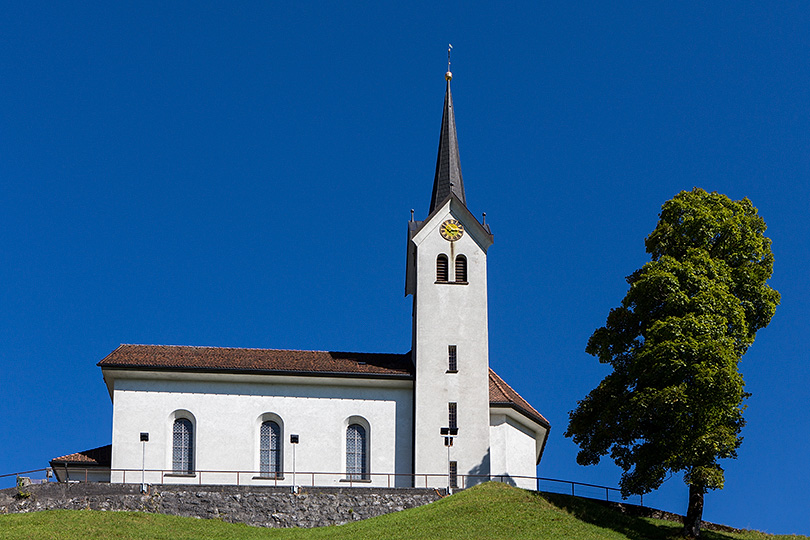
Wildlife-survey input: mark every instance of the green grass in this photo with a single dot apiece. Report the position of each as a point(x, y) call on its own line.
point(490, 511)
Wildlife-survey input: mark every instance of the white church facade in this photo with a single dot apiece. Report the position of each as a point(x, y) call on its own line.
point(206, 415)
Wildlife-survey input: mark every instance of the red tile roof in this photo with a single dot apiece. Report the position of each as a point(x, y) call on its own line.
point(279, 361)
point(502, 394)
point(166, 357)
point(101, 456)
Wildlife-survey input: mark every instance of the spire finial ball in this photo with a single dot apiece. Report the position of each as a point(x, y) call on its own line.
point(448, 76)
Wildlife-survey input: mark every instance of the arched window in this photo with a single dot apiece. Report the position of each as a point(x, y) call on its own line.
point(183, 446)
point(356, 464)
point(270, 450)
point(461, 269)
point(441, 268)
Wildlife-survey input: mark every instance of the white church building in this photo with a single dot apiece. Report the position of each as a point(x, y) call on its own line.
point(432, 416)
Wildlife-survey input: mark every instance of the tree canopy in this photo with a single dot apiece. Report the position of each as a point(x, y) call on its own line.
point(674, 399)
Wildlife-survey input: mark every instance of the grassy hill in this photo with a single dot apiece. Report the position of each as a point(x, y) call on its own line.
point(490, 511)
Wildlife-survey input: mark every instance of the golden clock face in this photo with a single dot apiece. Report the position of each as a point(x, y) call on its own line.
point(451, 230)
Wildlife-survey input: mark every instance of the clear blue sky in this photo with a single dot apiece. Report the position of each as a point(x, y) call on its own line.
point(241, 175)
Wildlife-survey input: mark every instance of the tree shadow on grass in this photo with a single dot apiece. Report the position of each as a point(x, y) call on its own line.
point(633, 527)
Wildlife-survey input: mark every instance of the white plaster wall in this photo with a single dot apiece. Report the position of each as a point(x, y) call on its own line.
point(513, 452)
point(227, 417)
point(449, 314)
point(77, 474)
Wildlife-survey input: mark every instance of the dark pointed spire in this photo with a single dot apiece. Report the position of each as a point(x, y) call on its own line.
point(448, 166)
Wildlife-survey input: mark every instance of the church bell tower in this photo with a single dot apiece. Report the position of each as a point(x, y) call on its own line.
point(447, 277)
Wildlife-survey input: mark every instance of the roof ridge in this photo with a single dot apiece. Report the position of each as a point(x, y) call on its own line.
point(186, 357)
point(253, 349)
point(497, 380)
point(85, 456)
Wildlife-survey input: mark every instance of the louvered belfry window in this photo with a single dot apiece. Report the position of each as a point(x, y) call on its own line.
point(270, 450)
point(441, 268)
point(356, 453)
point(461, 269)
point(183, 446)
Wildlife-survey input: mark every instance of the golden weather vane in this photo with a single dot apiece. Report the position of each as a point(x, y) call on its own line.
point(448, 75)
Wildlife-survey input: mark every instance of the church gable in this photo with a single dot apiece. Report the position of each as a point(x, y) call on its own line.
point(453, 208)
point(418, 231)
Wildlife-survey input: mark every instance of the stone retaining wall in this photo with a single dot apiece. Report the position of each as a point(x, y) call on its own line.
point(259, 506)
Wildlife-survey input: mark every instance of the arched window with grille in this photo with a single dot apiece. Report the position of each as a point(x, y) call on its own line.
point(270, 450)
point(356, 462)
point(442, 273)
point(183, 446)
point(461, 269)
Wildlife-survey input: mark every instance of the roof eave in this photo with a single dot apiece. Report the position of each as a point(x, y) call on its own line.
point(539, 420)
point(275, 372)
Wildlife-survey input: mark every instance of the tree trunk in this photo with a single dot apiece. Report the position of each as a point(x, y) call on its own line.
point(694, 514)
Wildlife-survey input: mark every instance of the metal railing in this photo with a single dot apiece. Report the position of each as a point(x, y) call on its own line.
point(587, 491)
point(311, 479)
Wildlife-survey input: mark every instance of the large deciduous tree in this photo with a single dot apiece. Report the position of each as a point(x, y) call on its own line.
point(674, 400)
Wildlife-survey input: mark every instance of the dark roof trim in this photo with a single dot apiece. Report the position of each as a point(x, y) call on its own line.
point(334, 374)
point(514, 406)
point(543, 449)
